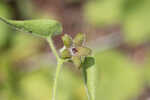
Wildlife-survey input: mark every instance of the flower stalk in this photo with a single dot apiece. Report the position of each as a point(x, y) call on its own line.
point(58, 69)
point(84, 75)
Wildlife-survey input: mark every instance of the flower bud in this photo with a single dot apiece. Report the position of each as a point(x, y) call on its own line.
point(76, 61)
point(65, 54)
point(67, 40)
point(79, 39)
point(84, 51)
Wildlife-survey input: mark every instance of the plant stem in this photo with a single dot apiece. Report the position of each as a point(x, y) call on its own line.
point(91, 81)
point(59, 64)
point(84, 74)
point(50, 41)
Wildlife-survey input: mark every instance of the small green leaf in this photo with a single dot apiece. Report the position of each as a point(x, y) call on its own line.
point(67, 40)
point(42, 27)
point(79, 39)
point(88, 62)
point(65, 54)
point(84, 51)
point(76, 61)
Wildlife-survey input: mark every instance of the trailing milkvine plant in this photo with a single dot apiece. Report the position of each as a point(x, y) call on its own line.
point(73, 51)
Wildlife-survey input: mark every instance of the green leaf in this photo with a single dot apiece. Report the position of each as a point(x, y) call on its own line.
point(88, 62)
point(42, 27)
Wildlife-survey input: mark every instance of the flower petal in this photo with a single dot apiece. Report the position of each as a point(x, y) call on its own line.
point(84, 51)
point(65, 54)
point(79, 39)
point(76, 61)
point(67, 40)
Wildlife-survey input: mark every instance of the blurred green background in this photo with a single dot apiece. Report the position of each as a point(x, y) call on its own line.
point(118, 31)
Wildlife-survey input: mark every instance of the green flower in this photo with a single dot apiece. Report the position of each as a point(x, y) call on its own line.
point(67, 40)
point(74, 50)
point(79, 39)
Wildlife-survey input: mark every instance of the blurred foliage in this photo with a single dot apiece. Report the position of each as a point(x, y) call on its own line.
point(26, 8)
point(32, 11)
point(5, 12)
point(133, 15)
point(72, 1)
point(146, 70)
point(118, 77)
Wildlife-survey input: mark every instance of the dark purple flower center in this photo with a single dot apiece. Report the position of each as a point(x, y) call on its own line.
point(74, 50)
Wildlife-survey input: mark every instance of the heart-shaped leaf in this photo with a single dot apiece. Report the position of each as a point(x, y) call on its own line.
point(42, 27)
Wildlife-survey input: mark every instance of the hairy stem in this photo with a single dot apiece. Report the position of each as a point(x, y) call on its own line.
point(58, 69)
point(50, 41)
point(84, 74)
point(59, 64)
